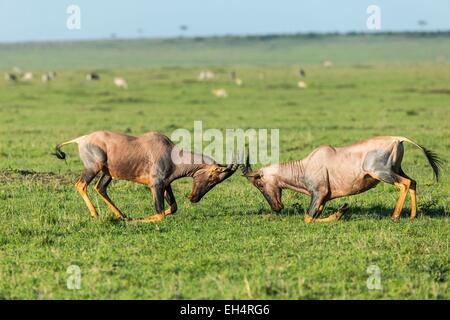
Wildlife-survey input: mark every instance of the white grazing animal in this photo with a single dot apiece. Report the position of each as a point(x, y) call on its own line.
point(28, 76)
point(16, 70)
point(206, 75)
point(220, 93)
point(121, 83)
point(46, 77)
point(327, 64)
point(302, 84)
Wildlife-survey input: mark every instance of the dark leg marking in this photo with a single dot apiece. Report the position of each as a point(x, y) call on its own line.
point(101, 187)
point(158, 195)
point(316, 206)
point(170, 198)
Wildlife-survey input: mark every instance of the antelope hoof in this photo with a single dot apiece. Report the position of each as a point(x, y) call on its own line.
point(308, 218)
point(344, 208)
point(341, 211)
point(395, 218)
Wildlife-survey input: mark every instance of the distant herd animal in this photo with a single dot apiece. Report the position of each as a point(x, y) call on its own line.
point(92, 76)
point(120, 82)
point(326, 173)
point(220, 93)
point(49, 76)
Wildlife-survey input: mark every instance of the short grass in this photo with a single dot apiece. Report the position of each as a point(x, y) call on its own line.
point(229, 245)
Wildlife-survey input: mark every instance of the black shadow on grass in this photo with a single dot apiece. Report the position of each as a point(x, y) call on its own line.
point(379, 211)
point(371, 212)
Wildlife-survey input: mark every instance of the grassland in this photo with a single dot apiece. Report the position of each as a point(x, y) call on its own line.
point(229, 245)
point(229, 51)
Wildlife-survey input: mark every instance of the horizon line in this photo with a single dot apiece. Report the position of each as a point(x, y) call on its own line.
point(231, 35)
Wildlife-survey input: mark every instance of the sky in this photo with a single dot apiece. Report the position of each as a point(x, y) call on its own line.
point(33, 20)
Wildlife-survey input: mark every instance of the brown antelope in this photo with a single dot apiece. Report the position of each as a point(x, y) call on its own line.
point(330, 172)
point(148, 160)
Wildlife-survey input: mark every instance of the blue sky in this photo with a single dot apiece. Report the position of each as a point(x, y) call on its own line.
point(23, 20)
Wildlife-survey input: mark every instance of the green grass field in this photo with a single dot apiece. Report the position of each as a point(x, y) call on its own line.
point(229, 245)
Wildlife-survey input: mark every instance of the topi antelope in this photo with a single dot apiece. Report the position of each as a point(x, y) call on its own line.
point(331, 172)
point(152, 160)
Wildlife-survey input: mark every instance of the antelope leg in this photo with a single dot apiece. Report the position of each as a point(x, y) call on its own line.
point(412, 194)
point(335, 216)
point(81, 187)
point(403, 184)
point(158, 196)
point(170, 198)
point(100, 187)
point(315, 208)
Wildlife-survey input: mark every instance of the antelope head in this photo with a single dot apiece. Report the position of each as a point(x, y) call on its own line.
point(265, 183)
point(209, 176)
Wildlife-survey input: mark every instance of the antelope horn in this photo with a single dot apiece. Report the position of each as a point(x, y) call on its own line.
point(233, 166)
point(247, 169)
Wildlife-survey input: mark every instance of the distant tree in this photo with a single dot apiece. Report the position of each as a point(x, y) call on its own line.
point(422, 23)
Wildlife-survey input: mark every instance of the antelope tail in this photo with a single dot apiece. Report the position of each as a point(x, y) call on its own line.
point(59, 153)
point(433, 159)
